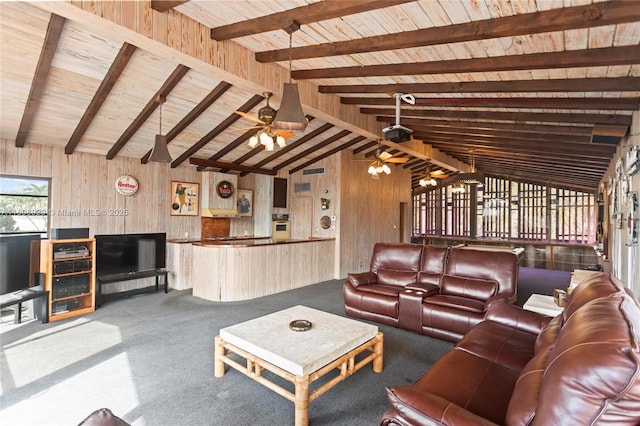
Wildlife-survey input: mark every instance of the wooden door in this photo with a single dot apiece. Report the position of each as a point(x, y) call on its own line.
point(301, 218)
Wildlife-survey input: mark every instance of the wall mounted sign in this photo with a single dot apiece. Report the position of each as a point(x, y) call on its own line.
point(126, 185)
point(225, 189)
point(184, 198)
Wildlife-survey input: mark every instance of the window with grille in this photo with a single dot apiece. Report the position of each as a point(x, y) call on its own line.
point(506, 209)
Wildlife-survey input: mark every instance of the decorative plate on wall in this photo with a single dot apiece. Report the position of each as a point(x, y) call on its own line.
point(225, 189)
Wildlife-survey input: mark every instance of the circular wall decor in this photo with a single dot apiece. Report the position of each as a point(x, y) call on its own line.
point(225, 189)
point(126, 185)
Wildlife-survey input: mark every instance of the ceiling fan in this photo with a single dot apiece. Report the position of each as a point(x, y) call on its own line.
point(266, 134)
point(379, 165)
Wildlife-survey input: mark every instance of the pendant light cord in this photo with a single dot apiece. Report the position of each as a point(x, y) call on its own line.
point(160, 124)
point(290, 59)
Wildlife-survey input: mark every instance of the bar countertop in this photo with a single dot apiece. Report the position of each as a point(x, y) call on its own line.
point(251, 242)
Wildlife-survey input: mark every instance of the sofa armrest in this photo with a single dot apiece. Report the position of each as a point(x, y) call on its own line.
point(363, 278)
point(413, 406)
point(516, 317)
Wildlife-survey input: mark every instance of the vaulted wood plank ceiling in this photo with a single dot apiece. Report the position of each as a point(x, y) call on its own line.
point(536, 90)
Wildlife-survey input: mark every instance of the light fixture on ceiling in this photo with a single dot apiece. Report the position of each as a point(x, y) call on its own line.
point(473, 177)
point(378, 168)
point(267, 136)
point(458, 188)
point(160, 151)
point(427, 180)
point(290, 115)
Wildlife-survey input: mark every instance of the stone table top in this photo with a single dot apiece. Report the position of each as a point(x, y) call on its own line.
point(299, 352)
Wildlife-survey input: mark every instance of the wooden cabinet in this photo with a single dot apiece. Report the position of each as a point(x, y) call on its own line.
point(69, 267)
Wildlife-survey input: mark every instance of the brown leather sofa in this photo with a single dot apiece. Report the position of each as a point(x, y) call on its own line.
point(436, 291)
point(518, 367)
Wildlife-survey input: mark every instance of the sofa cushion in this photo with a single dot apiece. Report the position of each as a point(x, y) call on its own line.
point(457, 303)
point(382, 289)
point(396, 257)
point(396, 278)
point(477, 289)
point(473, 383)
point(500, 267)
point(593, 287)
point(499, 343)
point(434, 260)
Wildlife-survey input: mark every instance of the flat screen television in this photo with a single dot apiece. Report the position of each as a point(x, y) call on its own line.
point(126, 253)
point(15, 261)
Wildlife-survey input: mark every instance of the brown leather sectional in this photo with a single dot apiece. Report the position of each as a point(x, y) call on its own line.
point(436, 291)
point(518, 367)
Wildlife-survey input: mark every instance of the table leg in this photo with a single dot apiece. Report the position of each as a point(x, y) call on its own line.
point(302, 401)
point(218, 364)
point(378, 350)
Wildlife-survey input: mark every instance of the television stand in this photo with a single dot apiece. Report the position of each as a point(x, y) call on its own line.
point(128, 276)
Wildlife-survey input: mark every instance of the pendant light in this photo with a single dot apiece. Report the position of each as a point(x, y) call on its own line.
point(160, 152)
point(290, 115)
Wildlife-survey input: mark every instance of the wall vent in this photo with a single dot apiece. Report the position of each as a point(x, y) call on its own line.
point(302, 187)
point(318, 171)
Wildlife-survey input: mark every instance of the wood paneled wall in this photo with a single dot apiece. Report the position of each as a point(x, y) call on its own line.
point(370, 211)
point(83, 193)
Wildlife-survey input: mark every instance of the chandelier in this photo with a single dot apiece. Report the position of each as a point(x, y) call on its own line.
point(474, 177)
point(378, 168)
point(268, 137)
point(427, 180)
point(458, 188)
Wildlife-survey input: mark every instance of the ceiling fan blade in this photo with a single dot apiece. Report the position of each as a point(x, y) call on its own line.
point(384, 156)
point(244, 129)
point(285, 133)
point(250, 117)
point(396, 160)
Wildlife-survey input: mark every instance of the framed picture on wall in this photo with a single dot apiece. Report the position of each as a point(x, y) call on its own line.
point(245, 202)
point(184, 198)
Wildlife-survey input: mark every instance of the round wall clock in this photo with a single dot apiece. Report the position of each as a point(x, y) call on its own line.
point(225, 189)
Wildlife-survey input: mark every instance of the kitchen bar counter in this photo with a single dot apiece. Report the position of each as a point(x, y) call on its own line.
point(233, 269)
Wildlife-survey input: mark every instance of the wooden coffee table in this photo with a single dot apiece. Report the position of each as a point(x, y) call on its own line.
point(300, 357)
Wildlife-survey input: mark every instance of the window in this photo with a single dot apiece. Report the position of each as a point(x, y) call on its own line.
point(504, 209)
point(24, 205)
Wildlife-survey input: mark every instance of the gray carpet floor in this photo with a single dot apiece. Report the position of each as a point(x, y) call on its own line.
point(149, 358)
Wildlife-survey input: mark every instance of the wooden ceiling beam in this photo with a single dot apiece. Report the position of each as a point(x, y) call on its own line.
point(540, 149)
point(328, 153)
point(165, 5)
point(604, 84)
point(38, 84)
point(117, 67)
point(313, 148)
point(502, 134)
point(202, 106)
point(623, 104)
point(605, 56)
point(231, 118)
point(551, 129)
point(166, 88)
point(314, 12)
point(230, 166)
point(576, 118)
point(563, 19)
